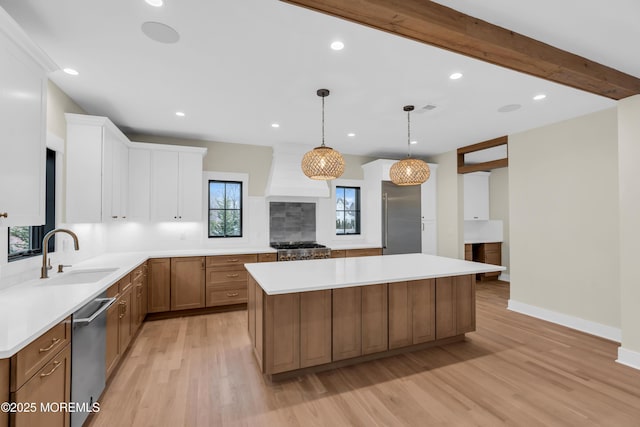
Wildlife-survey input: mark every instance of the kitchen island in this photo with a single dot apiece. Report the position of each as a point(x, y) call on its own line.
point(319, 314)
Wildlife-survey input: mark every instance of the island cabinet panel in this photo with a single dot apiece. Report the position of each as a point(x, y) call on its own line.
point(455, 306)
point(445, 308)
point(465, 303)
point(374, 319)
point(347, 323)
point(423, 307)
point(187, 283)
point(400, 315)
point(315, 328)
point(159, 297)
point(258, 347)
point(4, 390)
point(251, 308)
point(282, 333)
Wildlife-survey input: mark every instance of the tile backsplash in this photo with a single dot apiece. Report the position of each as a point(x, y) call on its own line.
point(292, 221)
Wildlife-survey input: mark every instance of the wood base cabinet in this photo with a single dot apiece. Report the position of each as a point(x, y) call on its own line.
point(335, 327)
point(159, 291)
point(187, 283)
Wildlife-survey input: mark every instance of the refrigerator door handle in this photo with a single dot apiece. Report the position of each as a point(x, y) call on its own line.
point(385, 220)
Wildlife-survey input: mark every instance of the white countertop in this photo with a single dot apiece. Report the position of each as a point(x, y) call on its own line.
point(314, 275)
point(29, 309)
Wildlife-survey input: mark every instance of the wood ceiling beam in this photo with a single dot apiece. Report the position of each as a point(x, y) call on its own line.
point(431, 23)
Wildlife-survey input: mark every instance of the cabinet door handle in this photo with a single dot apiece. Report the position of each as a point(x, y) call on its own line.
point(56, 365)
point(233, 275)
point(232, 294)
point(234, 260)
point(53, 344)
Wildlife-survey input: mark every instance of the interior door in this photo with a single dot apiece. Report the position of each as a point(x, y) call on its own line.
point(401, 219)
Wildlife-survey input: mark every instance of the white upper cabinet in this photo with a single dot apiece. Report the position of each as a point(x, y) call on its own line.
point(476, 196)
point(23, 88)
point(139, 183)
point(97, 170)
point(176, 184)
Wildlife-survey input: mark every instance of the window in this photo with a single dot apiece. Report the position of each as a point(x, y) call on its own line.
point(26, 241)
point(347, 210)
point(225, 209)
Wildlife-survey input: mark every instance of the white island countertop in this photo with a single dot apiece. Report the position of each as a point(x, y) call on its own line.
point(301, 276)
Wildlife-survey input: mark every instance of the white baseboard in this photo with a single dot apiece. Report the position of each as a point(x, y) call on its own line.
point(504, 277)
point(628, 357)
point(593, 328)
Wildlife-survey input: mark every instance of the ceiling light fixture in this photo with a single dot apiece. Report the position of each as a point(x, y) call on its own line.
point(337, 45)
point(539, 97)
point(323, 163)
point(71, 71)
point(275, 125)
point(409, 171)
point(155, 3)
point(180, 114)
point(455, 76)
point(414, 142)
point(351, 134)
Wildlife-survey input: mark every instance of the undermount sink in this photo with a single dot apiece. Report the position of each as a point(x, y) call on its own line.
point(75, 277)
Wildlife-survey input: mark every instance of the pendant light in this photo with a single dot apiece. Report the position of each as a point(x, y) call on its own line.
point(323, 163)
point(409, 171)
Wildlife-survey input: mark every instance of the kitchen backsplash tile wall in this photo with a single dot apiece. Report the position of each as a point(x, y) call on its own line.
point(292, 221)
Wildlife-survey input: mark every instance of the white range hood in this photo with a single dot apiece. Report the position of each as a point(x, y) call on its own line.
point(286, 178)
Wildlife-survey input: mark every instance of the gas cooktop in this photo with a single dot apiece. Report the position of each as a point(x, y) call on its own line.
point(296, 245)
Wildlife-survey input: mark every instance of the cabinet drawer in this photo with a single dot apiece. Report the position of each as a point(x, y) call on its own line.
point(230, 261)
point(340, 253)
point(124, 283)
point(137, 273)
point(33, 357)
point(229, 295)
point(216, 276)
point(113, 290)
point(270, 257)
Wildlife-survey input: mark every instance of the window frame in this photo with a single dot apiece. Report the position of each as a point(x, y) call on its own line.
point(37, 232)
point(358, 211)
point(241, 210)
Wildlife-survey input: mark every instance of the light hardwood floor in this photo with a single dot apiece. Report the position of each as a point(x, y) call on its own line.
point(514, 370)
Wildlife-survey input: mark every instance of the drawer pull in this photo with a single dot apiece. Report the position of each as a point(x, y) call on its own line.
point(233, 275)
point(53, 344)
point(232, 294)
point(56, 365)
point(233, 260)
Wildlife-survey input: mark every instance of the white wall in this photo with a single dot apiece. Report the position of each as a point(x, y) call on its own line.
point(563, 213)
point(499, 210)
point(450, 202)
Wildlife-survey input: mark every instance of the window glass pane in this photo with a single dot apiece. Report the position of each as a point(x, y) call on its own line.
point(233, 223)
point(350, 198)
point(233, 195)
point(216, 223)
point(351, 222)
point(216, 195)
point(19, 239)
point(339, 198)
point(339, 222)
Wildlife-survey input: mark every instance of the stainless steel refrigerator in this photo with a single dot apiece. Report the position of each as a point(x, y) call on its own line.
point(401, 219)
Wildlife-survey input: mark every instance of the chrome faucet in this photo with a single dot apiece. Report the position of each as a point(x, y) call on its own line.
point(45, 249)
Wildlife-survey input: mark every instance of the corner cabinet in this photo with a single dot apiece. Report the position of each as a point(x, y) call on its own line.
point(23, 85)
point(176, 184)
point(97, 170)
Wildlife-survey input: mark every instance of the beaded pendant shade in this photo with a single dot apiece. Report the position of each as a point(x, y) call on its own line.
point(323, 163)
point(409, 171)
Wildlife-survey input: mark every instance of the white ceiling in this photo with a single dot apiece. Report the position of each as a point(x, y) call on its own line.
point(241, 65)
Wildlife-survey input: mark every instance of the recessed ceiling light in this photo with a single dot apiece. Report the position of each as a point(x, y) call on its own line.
point(179, 114)
point(155, 3)
point(414, 142)
point(337, 45)
point(71, 71)
point(455, 76)
point(539, 97)
point(275, 125)
point(351, 134)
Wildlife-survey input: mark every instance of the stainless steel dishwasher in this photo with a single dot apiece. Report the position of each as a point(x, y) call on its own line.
point(88, 346)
